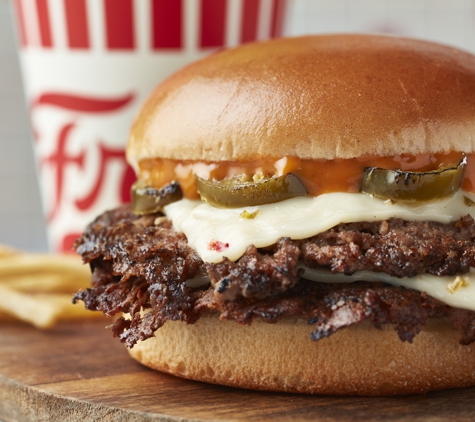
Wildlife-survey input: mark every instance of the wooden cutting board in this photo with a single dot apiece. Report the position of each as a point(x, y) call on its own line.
point(78, 372)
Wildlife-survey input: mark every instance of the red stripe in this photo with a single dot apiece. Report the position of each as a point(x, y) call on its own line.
point(82, 103)
point(76, 23)
point(250, 15)
point(213, 19)
point(167, 24)
point(43, 20)
point(278, 16)
point(66, 245)
point(21, 23)
point(119, 24)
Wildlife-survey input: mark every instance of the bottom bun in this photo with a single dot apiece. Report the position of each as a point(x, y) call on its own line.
point(359, 360)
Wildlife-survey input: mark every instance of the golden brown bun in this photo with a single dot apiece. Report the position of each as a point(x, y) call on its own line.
point(317, 97)
point(358, 360)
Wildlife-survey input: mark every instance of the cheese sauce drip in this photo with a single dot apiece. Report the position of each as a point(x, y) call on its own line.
point(318, 176)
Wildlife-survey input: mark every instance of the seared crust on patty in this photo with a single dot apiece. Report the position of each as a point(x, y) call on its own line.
point(138, 264)
point(395, 246)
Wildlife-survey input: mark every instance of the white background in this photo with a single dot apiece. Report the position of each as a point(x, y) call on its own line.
point(21, 220)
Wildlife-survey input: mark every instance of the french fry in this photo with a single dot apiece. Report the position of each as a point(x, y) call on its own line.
point(7, 251)
point(6, 317)
point(42, 263)
point(41, 310)
point(46, 283)
point(38, 288)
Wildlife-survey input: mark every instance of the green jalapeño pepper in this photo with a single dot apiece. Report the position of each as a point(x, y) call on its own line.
point(411, 186)
point(241, 192)
point(147, 200)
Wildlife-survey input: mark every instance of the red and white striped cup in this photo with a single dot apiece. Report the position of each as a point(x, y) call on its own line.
point(87, 66)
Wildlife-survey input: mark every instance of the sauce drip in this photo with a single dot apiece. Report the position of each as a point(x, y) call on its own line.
point(318, 176)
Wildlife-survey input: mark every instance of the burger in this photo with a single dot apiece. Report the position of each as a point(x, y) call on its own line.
point(302, 220)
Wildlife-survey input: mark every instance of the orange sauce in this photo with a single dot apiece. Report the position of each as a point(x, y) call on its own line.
point(318, 176)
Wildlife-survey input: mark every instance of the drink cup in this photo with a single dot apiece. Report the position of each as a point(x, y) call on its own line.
point(88, 65)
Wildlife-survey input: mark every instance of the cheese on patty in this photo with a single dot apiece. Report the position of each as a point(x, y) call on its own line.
point(446, 289)
point(455, 291)
point(215, 233)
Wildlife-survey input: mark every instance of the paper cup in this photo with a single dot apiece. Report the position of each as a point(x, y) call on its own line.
point(88, 65)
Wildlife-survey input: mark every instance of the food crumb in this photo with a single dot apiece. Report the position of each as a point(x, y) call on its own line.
point(249, 215)
point(457, 283)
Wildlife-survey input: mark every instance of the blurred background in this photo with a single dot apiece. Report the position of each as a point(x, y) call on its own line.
point(22, 223)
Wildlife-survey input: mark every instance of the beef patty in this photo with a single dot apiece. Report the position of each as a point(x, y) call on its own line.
point(141, 262)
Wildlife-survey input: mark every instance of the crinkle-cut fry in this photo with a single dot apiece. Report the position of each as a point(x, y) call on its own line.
point(41, 310)
point(47, 283)
point(36, 264)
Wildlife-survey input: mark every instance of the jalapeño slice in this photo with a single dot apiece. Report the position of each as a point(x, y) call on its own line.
point(412, 186)
point(238, 192)
point(147, 200)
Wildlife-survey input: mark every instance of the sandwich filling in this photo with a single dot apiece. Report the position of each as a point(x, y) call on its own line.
point(143, 263)
point(272, 248)
point(216, 233)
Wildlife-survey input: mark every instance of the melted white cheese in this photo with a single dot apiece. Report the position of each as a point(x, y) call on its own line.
point(437, 287)
point(440, 288)
point(297, 218)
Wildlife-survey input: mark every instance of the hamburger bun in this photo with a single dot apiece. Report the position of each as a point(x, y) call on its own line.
point(316, 97)
point(359, 360)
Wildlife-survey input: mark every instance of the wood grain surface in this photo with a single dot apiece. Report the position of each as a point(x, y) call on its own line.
point(78, 372)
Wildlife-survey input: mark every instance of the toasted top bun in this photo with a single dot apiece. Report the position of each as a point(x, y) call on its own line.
point(317, 97)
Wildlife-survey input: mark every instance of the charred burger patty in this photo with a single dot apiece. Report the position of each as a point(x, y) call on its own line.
point(155, 262)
